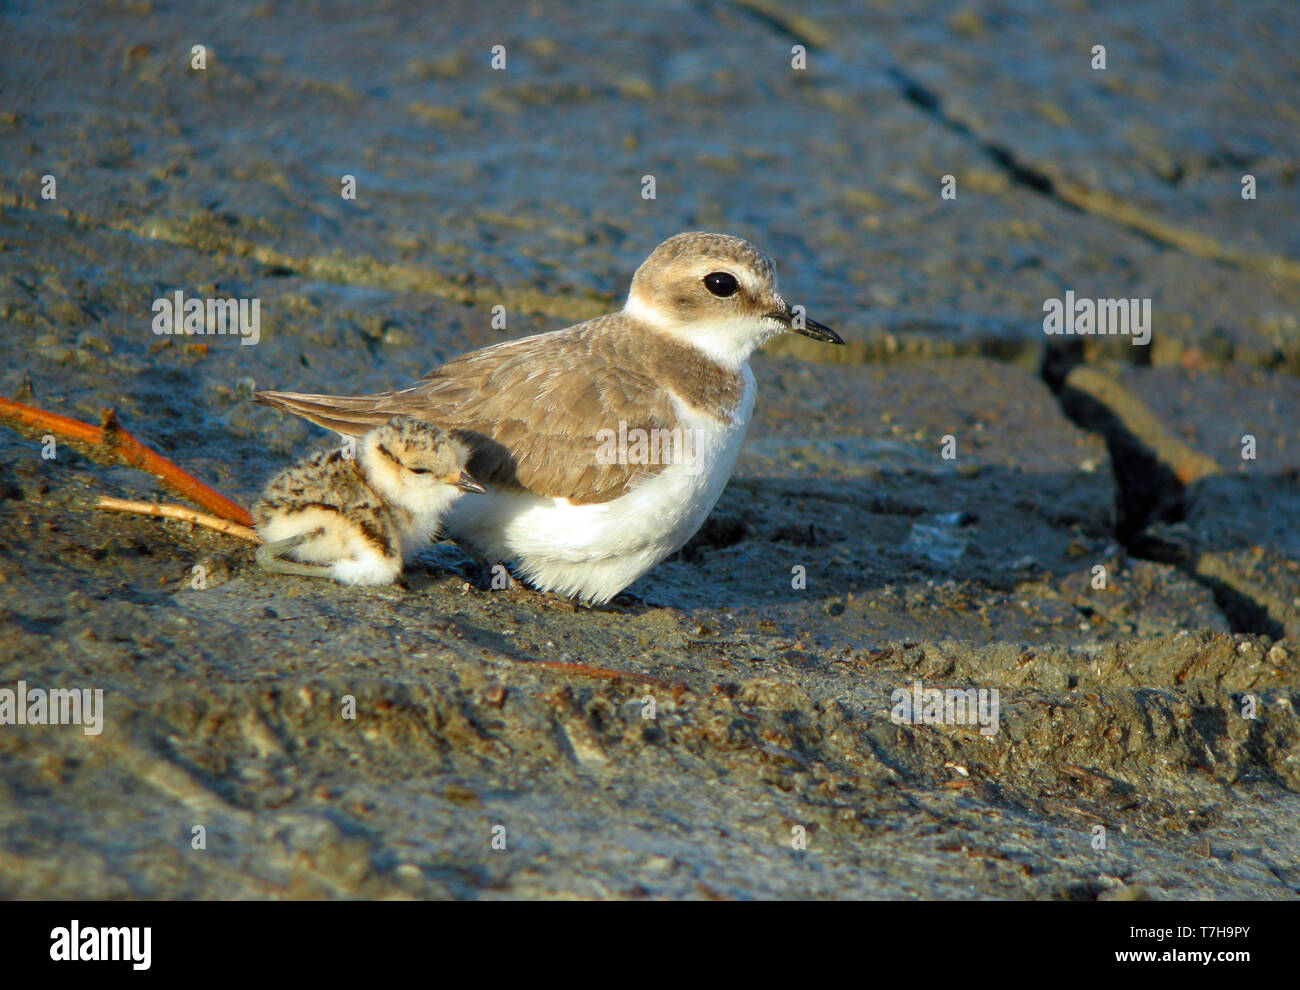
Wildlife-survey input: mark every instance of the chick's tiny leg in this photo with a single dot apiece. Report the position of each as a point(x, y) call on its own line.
point(270, 556)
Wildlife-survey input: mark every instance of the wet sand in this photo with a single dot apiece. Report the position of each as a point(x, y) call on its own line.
point(1121, 708)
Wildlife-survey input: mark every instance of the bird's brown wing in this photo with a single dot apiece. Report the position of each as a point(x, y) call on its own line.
point(532, 411)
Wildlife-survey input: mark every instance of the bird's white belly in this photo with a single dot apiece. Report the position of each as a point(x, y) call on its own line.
point(595, 550)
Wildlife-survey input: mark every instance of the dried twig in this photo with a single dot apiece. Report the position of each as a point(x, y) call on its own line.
point(600, 673)
point(586, 670)
point(109, 443)
point(165, 511)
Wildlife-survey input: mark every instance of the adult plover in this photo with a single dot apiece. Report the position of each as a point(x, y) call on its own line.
point(578, 514)
point(357, 518)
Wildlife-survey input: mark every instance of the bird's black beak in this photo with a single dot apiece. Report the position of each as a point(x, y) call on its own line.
point(798, 323)
point(468, 484)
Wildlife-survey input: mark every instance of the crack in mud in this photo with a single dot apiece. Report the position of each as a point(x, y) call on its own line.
point(1152, 471)
point(1039, 177)
point(1076, 196)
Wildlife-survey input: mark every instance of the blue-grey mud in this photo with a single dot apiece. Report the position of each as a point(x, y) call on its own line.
point(1101, 547)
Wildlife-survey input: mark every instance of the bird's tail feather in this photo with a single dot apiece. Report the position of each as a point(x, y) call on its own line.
point(351, 415)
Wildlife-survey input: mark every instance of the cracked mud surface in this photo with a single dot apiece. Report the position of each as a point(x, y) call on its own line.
point(1121, 706)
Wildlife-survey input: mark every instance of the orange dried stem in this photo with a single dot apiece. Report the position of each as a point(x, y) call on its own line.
point(601, 673)
point(110, 444)
point(165, 511)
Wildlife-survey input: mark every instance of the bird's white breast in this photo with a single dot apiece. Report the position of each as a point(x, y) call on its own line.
point(595, 550)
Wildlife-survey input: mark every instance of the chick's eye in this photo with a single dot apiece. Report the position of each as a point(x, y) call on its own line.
point(419, 470)
point(721, 284)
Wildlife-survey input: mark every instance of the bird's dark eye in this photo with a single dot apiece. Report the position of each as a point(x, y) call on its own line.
point(721, 284)
point(419, 470)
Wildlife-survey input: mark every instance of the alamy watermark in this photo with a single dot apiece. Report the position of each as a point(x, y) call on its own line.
point(175, 315)
point(921, 705)
point(90, 944)
point(58, 706)
point(1098, 317)
point(651, 446)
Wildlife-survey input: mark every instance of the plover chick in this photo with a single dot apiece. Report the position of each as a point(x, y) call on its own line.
point(356, 519)
point(580, 515)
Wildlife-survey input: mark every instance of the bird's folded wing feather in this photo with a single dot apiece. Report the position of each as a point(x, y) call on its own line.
point(532, 411)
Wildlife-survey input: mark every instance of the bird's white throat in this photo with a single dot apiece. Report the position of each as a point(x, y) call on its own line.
point(728, 342)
